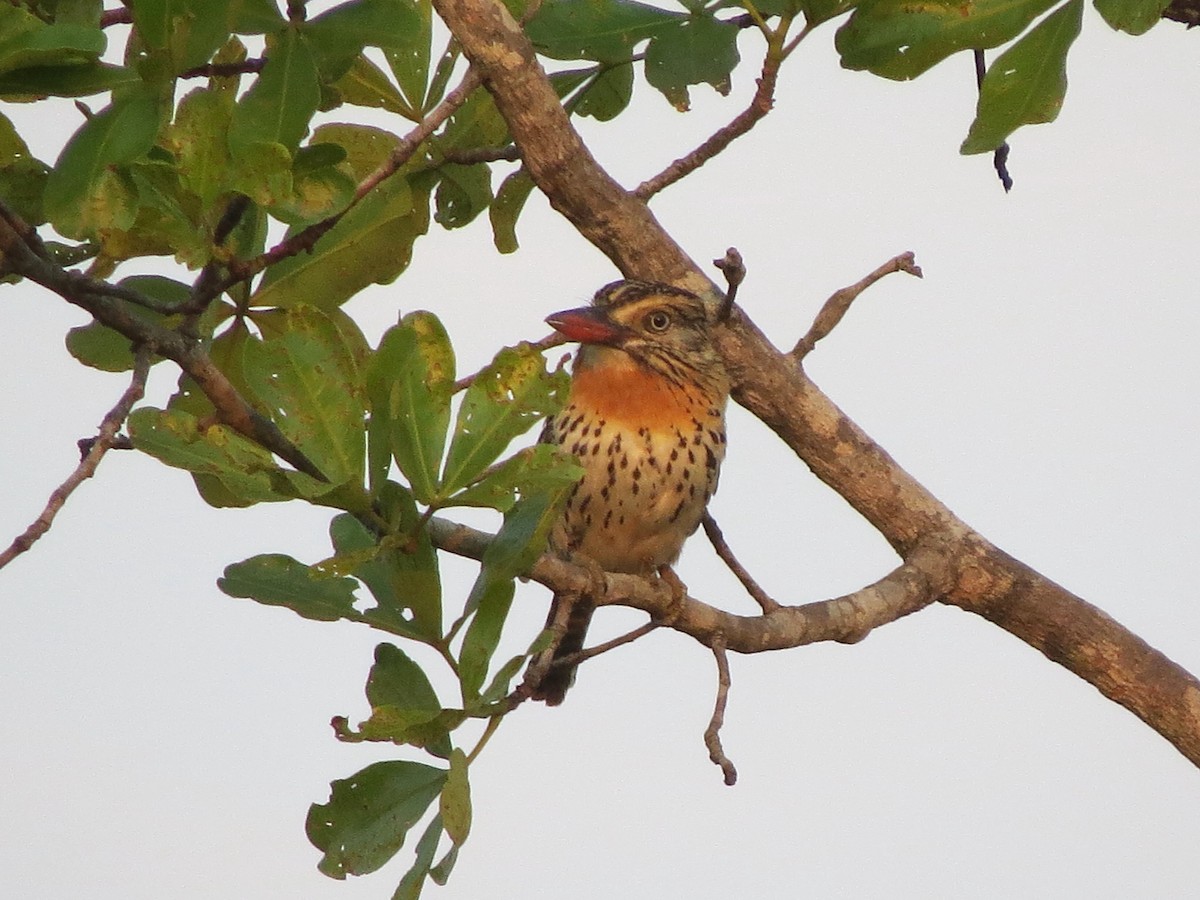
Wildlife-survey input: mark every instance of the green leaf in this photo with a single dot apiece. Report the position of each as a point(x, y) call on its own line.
point(404, 707)
point(278, 580)
point(1132, 16)
point(198, 139)
point(900, 40)
point(369, 814)
point(498, 689)
point(65, 81)
point(409, 61)
point(538, 468)
point(426, 729)
point(318, 191)
point(492, 595)
point(414, 879)
point(366, 148)
point(503, 401)
point(409, 381)
point(27, 42)
point(477, 123)
point(506, 208)
point(339, 35)
point(256, 16)
point(282, 100)
point(521, 540)
point(22, 177)
point(402, 575)
point(365, 84)
point(462, 194)
point(82, 175)
point(246, 472)
point(455, 804)
point(309, 379)
point(166, 213)
point(700, 50)
point(371, 244)
point(396, 680)
point(186, 32)
point(818, 11)
point(441, 872)
point(601, 30)
point(607, 95)
point(1026, 84)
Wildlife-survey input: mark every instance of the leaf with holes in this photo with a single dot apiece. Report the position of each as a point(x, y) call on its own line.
point(1026, 84)
point(505, 400)
point(900, 40)
point(369, 815)
point(701, 50)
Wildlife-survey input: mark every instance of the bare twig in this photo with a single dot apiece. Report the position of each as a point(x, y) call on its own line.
point(734, 270)
point(111, 17)
point(482, 154)
point(100, 445)
point(839, 303)
point(1185, 11)
point(226, 70)
point(761, 104)
point(717, 539)
point(575, 659)
point(712, 734)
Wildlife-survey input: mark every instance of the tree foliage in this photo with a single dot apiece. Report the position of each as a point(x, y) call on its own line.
point(234, 137)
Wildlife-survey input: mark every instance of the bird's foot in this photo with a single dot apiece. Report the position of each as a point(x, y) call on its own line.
point(678, 591)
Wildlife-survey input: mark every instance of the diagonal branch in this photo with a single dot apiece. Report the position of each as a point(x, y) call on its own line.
point(99, 446)
point(967, 571)
point(761, 103)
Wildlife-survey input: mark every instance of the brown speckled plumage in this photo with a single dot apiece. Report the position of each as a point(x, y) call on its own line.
point(646, 418)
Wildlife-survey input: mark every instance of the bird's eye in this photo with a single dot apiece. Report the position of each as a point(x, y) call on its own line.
point(658, 321)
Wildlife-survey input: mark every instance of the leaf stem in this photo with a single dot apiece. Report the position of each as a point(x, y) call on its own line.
point(492, 725)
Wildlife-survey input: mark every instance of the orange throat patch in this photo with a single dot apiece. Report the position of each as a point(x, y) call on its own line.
point(618, 389)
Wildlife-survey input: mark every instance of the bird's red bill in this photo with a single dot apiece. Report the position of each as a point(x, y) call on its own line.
point(586, 325)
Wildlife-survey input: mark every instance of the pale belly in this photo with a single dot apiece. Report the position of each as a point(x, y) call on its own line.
point(642, 494)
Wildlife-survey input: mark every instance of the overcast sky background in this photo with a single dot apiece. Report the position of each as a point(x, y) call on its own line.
point(163, 740)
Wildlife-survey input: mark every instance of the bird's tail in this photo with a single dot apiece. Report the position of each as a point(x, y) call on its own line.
point(572, 614)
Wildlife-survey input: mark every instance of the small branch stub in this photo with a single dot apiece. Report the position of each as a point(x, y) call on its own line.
point(734, 270)
point(839, 303)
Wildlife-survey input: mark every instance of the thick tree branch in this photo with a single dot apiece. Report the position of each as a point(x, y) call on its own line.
point(561, 165)
point(772, 386)
point(848, 619)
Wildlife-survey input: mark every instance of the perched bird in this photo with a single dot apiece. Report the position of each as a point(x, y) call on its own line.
point(646, 419)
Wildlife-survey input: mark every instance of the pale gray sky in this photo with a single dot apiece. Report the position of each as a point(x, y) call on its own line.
point(164, 740)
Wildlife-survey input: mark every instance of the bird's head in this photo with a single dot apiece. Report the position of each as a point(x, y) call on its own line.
point(662, 328)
